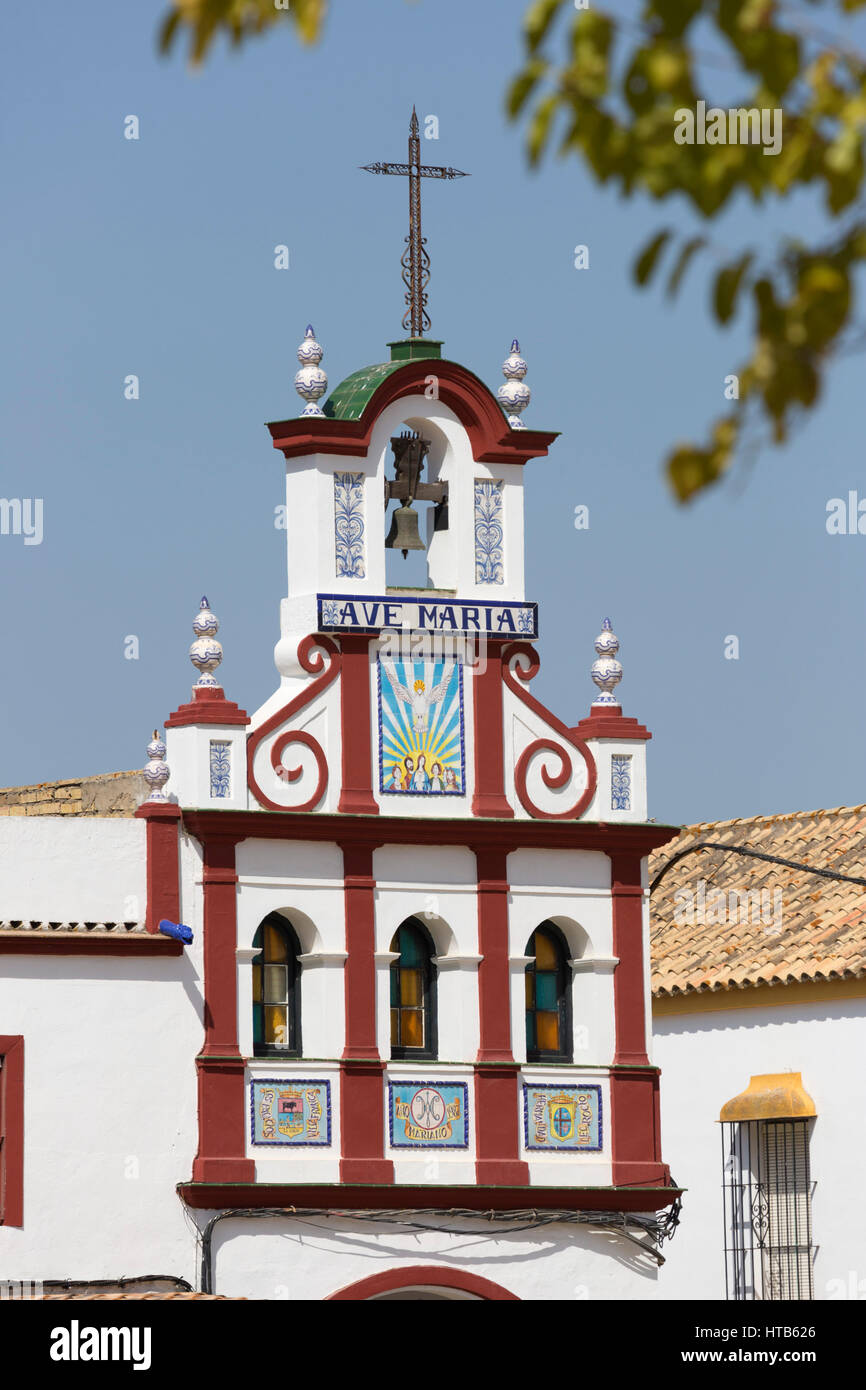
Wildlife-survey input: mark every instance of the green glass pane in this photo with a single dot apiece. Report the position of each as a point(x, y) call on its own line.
point(410, 947)
point(395, 986)
point(545, 990)
point(258, 1024)
point(276, 984)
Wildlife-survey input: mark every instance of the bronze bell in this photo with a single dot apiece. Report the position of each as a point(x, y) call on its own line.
point(404, 531)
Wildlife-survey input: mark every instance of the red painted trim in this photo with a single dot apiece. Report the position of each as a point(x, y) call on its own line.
point(635, 1132)
point(608, 721)
point(12, 1130)
point(489, 797)
point(629, 982)
point(362, 1104)
point(512, 673)
point(426, 1276)
point(323, 826)
point(163, 870)
point(221, 1091)
point(208, 706)
point(497, 1123)
point(32, 943)
point(361, 1197)
point(490, 435)
point(356, 795)
point(292, 774)
point(311, 659)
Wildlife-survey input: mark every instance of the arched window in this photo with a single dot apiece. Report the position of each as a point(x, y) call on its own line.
point(413, 992)
point(548, 997)
point(276, 990)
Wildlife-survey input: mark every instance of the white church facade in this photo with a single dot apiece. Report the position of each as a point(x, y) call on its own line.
point(356, 1004)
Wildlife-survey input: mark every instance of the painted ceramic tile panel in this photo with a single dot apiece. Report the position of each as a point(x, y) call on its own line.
point(290, 1111)
point(558, 1118)
point(421, 740)
point(428, 1115)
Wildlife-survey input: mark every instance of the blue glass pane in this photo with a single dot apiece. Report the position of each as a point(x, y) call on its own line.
point(545, 990)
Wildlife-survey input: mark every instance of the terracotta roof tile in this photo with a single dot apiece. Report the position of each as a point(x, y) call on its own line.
point(708, 934)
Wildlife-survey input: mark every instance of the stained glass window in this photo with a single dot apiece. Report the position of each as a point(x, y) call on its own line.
point(276, 991)
point(548, 1011)
point(413, 992)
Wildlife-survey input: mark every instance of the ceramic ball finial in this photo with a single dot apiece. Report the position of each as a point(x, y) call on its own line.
point(311, 381)
point(514, 396)
point(606, 671)
point(156, 773)
point(206, 652)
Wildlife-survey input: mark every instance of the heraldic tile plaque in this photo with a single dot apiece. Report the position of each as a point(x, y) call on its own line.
point(563, 1118)
point(291, 1111)
point(428, 1114)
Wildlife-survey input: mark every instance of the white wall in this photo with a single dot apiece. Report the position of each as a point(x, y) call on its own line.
point(706, 1060)
point(316, 1256)
point(72, 869)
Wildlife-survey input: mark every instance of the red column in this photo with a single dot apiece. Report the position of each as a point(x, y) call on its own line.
point(163, 884)
point(12, 1130)
point(222, 1106)
point(489, 796)
point(357, 793)
point(497, 1075)
point(362, 1104)
point(635, 1144)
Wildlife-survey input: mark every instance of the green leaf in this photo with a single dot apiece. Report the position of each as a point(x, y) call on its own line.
point(539, 129)
point(682, 264)
point(538, 20)
point(523, 85)
point(727, 287)
point(646, 261)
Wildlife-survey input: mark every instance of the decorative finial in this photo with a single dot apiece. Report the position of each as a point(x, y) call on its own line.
point(607, 671)
point(311, 381)
point(157, 772)
point(206, 652)
point(515, 395)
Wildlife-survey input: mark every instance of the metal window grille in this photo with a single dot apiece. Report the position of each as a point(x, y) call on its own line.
point(767, 1197)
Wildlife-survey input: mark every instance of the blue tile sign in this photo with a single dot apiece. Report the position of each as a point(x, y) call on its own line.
point(428, 1115)
point(557, 1118)
point(342, 613)
point(290, 1111)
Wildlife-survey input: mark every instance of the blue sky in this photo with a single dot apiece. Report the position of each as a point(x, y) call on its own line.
point(155, 257)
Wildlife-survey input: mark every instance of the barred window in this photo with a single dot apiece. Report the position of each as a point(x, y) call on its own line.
point(767, 1190)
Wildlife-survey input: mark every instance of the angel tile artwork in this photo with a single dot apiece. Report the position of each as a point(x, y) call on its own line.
point(421, 726)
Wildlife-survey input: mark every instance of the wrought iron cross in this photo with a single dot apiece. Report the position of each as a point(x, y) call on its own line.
point(415, 260)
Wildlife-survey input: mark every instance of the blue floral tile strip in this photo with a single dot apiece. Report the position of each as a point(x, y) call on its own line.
point(349, 525)
point(620, 782)
point(488, 533)
point(220, 767)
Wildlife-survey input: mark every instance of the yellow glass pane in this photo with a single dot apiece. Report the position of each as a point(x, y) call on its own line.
point(395, 1027)
point(257, 983)
point(545, 954)
point(276, 1025)
point(412, 1028)
point(529, 999)
point(275, 944)
point(410, 987)
point(547, 1032)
